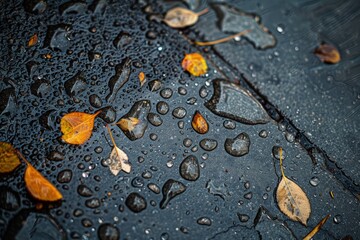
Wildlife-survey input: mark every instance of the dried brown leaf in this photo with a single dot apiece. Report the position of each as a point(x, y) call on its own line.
point(316, 228)
point(292, 200)
point(328, 53)
point(9, 160)
point(199, 123)
point(181, 17)
point(33, 40)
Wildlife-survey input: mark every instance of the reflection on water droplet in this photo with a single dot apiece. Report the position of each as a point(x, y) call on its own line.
point(204, 221)
point(280, 28)
point(337, 219)
point(314, 181)
point(276, 152)
point(263, 133)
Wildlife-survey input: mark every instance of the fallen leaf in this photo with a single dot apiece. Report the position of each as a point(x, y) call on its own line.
point(33, 40)
point(181, 17)
point(199, 123)
point(9, 160)
point(77, 127)
point(142, 78)
point(38, 186)
point(292, 200)
point(118, 159)
point(195, 64)
point(128, 124)
point(316, 228)
point(327, 53)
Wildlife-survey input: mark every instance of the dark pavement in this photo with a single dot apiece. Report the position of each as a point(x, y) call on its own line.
point(84, 50)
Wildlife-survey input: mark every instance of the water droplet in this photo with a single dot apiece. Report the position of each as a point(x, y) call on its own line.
point(203, 93)
point(86, 222)
point(154, 188)
point(247, 185)
point(276, 152)
point(55, 156)
point(220, 190)
point(57, 37)
point(187, 142)
point(189, 168)
point(108, 232)
point(146, 174)
point(84, 191)
point(239, 146)
point(137, 182)
point(92, 203)
point(182, 91)
point(191, 101)
point(9, 199)
point(228, 124)
point(265, 196)
point(154, 85)
point(263, 134)
point(153, 136)
point(171, 189)
point(64, 176)
point(280, 28)
point(208, 144)
point(154, 119)
point(98, 149)
point(95, 101)
point(75, 85)
point(314, 181)
point(122, 40)
point(204, 221)
point(248, 196)
point(170, 163)
point(135, 202)
point(179, 112)
point(117, 81)
point(35, 6)
point(166, 93)
point(243, 217)
point(337, 219)
point(289, 137)
point(162, 107)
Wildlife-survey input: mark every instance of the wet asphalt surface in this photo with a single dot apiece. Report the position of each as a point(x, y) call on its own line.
point(309, 108)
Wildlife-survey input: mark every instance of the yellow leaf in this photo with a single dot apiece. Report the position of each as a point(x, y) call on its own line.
point(128, 124)
point(181, 17)
point(292, 200)
point(8, 158)
point(316, 228)
point(195, 64)
point(33, 40)
point(142, 78)
point(77, 127)
point(118, 158)
point(38, 186)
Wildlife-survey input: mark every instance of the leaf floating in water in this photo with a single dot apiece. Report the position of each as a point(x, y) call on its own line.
point(33, 40)
point(118, 159)
point(77, 127)
point(327, 53)
point(9, 160)
point(199, 123)
point(292, 200)
point(195, 64)
point(142, 78)
point(128, 124)
point(181, 17)
point(316, 228)
point(38, 186)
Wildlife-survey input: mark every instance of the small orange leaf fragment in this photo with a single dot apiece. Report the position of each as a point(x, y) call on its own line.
point(195, 64)
point(9, 160)
point(142, 78)
point(199, 123)
point(39, 187)
point(77, 127)
point(327, 53)
point(33, 40)
point(128, 124)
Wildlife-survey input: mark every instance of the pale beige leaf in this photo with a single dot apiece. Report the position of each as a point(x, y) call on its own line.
point(180, 17)
point(119, 161)
point(292, 201)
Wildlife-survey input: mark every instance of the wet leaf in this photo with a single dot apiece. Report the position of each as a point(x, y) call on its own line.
point(327, 53)
point(33, 40)
point(181, 17)
point(38, 186)
point(9, 160)
point(142, 78)
point(128, 124)
point(199, 123)
point(77, 127)
point(292, 200)
point(118, 159)
point(195, 64)
point(316, 228)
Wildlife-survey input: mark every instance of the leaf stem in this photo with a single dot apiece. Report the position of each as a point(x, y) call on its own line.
point(221, 40)
point(202, 12)
point(281, 162)
point(22, 157)
point(111, 136)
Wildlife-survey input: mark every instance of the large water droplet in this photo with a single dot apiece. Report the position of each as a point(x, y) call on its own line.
point(171, 189)
point(189, 168)
point(108, 232)
point(117, 81)
point(135, 202)
point(238, 146)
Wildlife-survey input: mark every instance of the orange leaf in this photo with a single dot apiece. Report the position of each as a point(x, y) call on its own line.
point(195, 64)
point(8, 158)
point(327, 53)
point(39, 187)
point(199, 123)
point(33, 40)
point(142, 78)
point(77, 127)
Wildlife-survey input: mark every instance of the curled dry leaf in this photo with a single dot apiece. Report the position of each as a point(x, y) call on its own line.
point(38, 186)
point(316, 228)
point(118, 159)
point(327, 53)
point(181, 17)
point(195, 64)
point(33, 40)
point(199, 123)
point(128, 124)
point(142, 78)
point(77, 127)
point(8, 158)
point(292, 200)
